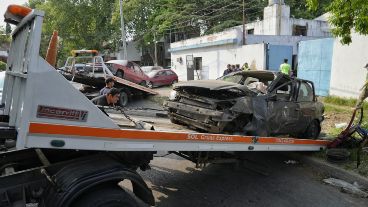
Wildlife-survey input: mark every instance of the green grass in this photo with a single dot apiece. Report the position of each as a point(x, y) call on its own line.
point(333, 108)
point(347, 102)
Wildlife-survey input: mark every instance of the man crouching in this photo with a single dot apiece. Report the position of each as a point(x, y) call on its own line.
point(109, 99)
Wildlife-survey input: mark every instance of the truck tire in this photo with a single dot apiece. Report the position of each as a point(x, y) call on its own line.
point(109, 196)
point(124, 98)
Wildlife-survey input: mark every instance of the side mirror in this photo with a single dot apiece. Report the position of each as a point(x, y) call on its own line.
point(272, 97)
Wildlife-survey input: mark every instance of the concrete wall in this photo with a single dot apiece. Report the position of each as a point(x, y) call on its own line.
point(279, 40)
point(207, 40)
point(215, 59)
point(277, 21)
point(348, 74)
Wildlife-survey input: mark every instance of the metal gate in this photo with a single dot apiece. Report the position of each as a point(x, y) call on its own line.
point(314, 63)
point(276, 55)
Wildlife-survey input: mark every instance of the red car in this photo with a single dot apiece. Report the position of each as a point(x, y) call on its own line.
point(128, 70)
point(161, 77)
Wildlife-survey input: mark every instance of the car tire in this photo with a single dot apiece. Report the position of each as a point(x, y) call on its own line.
point(149, 84)
point(120, 74)
point(106, 197)
point(173, 82)
point(313, 130)
point(143, 83)
point(124, 98)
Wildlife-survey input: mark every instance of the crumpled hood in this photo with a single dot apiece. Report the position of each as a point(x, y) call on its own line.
point(212, 85)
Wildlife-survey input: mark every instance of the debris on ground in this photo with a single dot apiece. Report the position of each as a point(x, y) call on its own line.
point(291, 162)
point(341, 125)
point(354, 188)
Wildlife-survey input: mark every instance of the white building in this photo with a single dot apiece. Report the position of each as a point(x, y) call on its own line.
point(211, 53)
point(347, 72)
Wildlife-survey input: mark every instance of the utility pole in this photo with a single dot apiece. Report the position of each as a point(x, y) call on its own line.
point(155, 45)
point(123, 30)
point(244, 32)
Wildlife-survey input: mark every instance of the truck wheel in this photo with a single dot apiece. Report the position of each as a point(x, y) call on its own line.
point(119, 74)
point(313, 130)
point(124, 98)
point(106, 197)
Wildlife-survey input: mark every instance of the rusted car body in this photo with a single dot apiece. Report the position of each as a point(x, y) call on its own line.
point(259, 103)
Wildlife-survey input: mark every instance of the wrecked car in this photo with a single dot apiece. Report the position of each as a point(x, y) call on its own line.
point(260, 103)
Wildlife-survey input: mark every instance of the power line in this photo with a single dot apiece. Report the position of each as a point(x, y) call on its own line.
point(205, 18)
point(208, 7)
point(212, 17)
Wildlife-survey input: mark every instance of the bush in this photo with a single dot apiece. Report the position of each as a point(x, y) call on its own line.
point(2, 66)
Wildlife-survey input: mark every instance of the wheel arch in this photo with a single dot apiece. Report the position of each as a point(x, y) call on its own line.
point(79, 178)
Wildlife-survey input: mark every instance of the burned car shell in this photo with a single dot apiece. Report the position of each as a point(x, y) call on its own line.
point(287, 106)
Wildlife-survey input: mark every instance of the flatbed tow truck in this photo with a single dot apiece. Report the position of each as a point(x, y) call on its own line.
point(70, 153)
point(95, 73)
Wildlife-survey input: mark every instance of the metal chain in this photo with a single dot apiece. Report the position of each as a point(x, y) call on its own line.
point(142, 109)
point(121, 109)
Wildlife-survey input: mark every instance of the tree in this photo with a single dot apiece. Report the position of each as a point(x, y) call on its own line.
point(83, 24)
point(5, 39)
point(346, 15)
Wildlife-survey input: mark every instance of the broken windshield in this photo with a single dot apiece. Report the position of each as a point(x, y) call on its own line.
point(237, 78)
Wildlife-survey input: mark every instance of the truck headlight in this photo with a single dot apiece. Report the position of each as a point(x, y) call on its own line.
point(172, 95)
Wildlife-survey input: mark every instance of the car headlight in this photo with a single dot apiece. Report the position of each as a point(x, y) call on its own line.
point(172, 95)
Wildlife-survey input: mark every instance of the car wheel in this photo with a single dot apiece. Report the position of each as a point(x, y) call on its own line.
point(149, 84)
point(313, 130)
point(124, 98)
point(143, 83)
point(106, 197)
point(173, 82)
point(119, 74)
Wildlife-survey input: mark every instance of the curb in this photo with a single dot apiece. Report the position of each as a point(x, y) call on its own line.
point(332, 170)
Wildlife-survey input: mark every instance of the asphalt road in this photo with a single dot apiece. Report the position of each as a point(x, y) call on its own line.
point(264, 180)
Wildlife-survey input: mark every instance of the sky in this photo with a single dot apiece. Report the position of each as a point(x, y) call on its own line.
point(4, 5)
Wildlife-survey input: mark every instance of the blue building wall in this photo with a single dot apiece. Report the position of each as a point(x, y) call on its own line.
point(314, 63)
point(276, 55)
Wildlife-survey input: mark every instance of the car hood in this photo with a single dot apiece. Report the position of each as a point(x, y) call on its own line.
point(212, 85)
point(214, 89)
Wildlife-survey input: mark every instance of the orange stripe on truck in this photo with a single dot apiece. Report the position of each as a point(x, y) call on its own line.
point(82, 131)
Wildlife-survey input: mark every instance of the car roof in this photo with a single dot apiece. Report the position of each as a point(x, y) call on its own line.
point(119, 62)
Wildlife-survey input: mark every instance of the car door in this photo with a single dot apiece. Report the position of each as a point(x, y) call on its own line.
point(306, 103)
point(159, 78)
point(283, 113)
point(129, 72)
point(170, 77)
point(137, 73)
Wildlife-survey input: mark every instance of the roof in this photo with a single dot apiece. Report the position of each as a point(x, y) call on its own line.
point(119, 62)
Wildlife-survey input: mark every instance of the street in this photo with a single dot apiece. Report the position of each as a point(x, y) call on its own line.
point(264, 180)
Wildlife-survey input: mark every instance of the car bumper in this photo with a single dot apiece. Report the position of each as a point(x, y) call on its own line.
point(207, 119)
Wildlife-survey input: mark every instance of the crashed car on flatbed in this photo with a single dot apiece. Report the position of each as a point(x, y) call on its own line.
point(261, 103)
